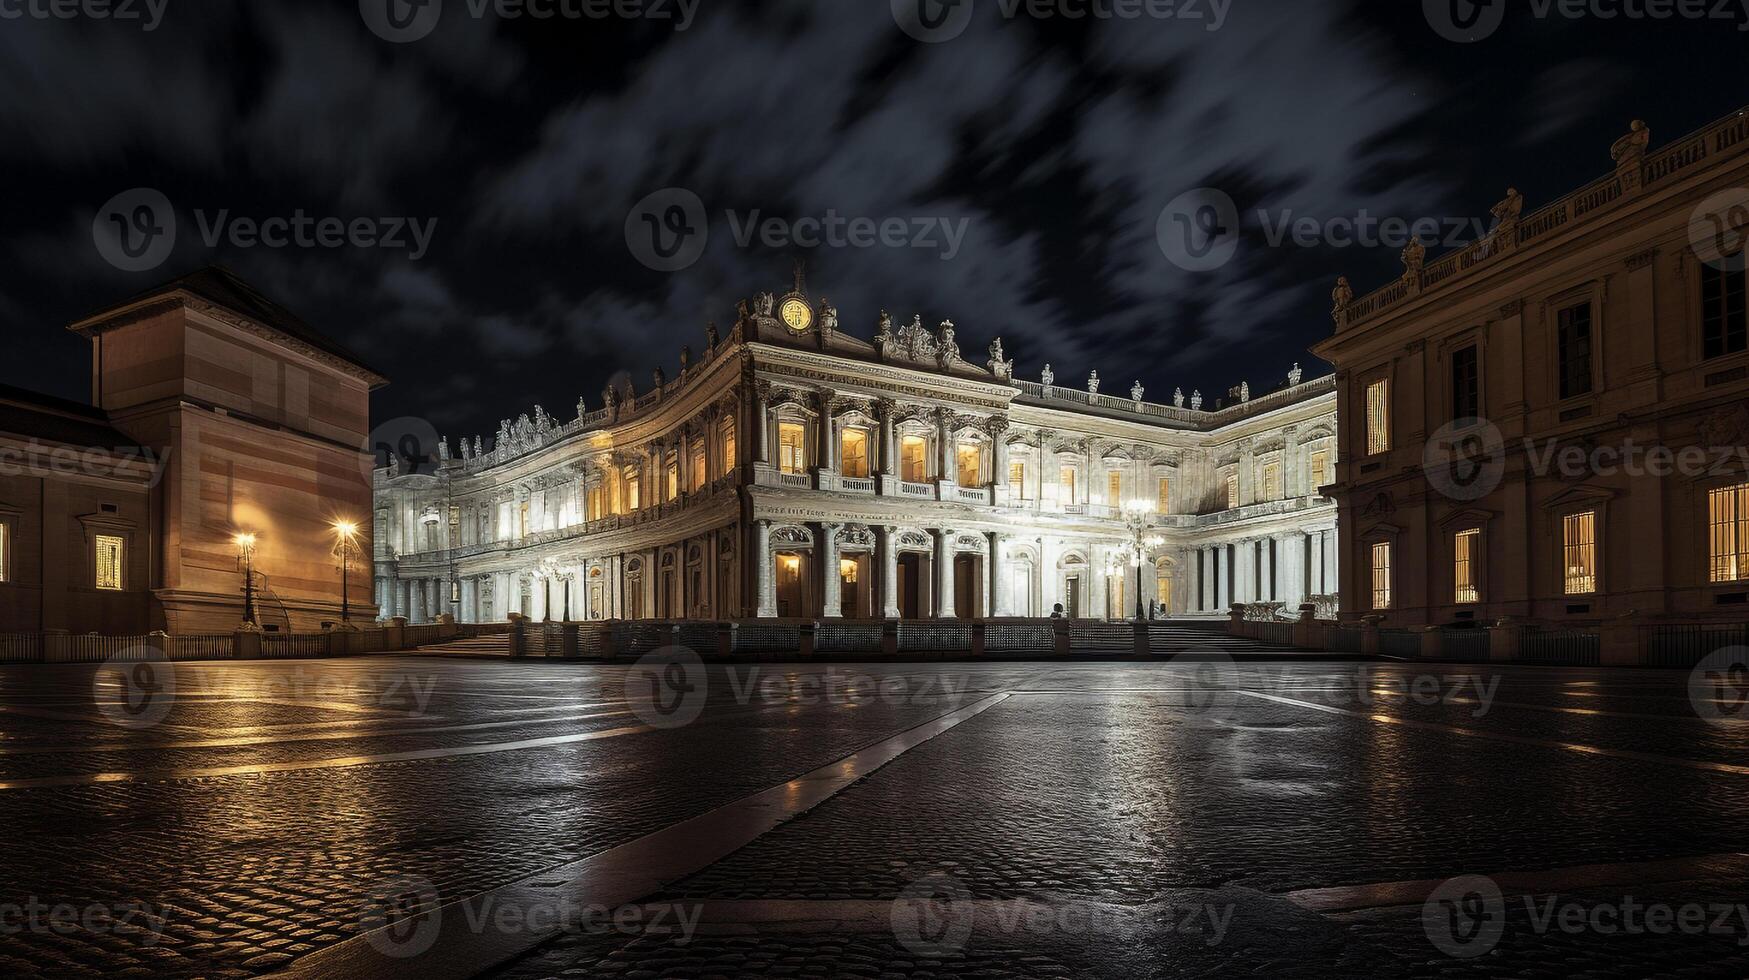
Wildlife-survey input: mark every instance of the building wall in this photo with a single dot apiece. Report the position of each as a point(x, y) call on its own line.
point(550, 503)
point(1620, 249)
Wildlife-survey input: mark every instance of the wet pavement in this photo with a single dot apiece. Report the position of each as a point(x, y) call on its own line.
point(408, 816)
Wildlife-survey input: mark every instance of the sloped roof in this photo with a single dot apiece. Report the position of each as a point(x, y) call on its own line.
point(221, 286)
point(39, 416)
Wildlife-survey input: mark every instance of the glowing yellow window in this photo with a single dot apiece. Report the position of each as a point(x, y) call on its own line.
point(1163, 502)
point(1017, 480)
point(1378, 417)
point(1066, 485)
point(854, 453)
point(1464, 564)
point(595, 503)
point(699, 479)
point(5, 550)
point(673, 477)
point(1272, 481)
point(1579, 551)
point(633, 490)
point(728, 447)
point(971, 464)
point(1320, 469)
point(914, 459)
point(111, 560)
point(1232, 491)
point(1381, 575)
point(1114, 488)
point(1728, 522)
point(792, 439)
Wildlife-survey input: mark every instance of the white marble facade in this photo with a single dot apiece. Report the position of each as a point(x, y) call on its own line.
point(804, 472)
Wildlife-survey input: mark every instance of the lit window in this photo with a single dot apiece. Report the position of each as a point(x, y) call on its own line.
point(594, 505)
point(633, 490)
point(699, 477)
point(854, 453)
point(522, 520)
point(728, 446)
point(673, 477)
point(1272, 481)
point(1579, 550)
point(1163, 586)
point(5, 550)
point(1114, 488)
point(1066, 486)
point(1232, 490)
point(1163, 502)
point(1378, 417)
point(792, 447)
point(847, 570)
point(1728, 520)
point(1381, 575)
point(971, 464)
point(1017, 480)
point(111, 558)
point(914, 459)
point(1464, 568)
point(1320, 468)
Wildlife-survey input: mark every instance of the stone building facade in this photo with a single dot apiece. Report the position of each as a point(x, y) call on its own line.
point(794, 470)
point(1549, 423)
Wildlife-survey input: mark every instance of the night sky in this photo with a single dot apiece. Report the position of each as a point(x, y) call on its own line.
point(1054, 143)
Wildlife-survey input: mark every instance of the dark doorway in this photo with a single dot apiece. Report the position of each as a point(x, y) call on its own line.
point(965, 586)
point(910, 582)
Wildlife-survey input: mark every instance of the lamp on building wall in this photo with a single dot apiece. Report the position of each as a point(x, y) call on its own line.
point(1139, 520)
point(345, 546)
point(245, 542)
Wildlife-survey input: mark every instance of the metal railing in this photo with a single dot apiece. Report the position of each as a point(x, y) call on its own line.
point(1570, 648)
point(1685, 645)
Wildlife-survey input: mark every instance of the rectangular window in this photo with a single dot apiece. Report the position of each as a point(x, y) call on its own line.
point(1724, 313)
point(728, 447)
point(1378, 417)
point(853, 453)
point(1320, 469)
point(699, 477)
point(1579, 551)
point(1232, 491)
point(1163, 500)
point(1728, 521)
point(1466, 385)
point(792, 443)
point(594, 505)
point(1114, 488)
point(971, 464)
point(673, 477)
point(1272, 481)
point(5, 550)
point(1381, 575)
point(1017, 480)
point(914, 459)
point(633, 489)
point(1066, 486)
point(1574, 350)
point(111, 559)
point(1464, 564)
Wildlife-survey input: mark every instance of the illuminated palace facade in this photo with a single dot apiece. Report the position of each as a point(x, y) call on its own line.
point(794, 470)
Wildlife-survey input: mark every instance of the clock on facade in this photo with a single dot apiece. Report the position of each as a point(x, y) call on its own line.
point(797, 314)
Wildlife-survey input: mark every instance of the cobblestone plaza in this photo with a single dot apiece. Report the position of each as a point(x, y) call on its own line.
point(1210, 816)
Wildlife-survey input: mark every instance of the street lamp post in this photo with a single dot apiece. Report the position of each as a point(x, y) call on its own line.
point(345, 542)
point(1139, 520)
point(246, 559)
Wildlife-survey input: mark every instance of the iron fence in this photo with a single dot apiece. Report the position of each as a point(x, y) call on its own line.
point(1568, 648)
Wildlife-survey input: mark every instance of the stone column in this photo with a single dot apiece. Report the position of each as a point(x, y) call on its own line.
point(1291, 548)
point(831, 586)
point(1266, 570)
point(1294, 477)
point(999, 463)
point(1223, 577)
point(889, 572)
point(418, 612)
point(1001, 603)
point(762, 421)
point(889, 454)
point(944, 434)
point(823, 454)
point(1332, 541)
point(944, 573)
point(762, 575)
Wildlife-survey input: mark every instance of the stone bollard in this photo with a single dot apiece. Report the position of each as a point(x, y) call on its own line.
point(1236, 619)
point(1618, 642)
point(395, 634)
point(1369, 634)
point(1304, 626)
point(1060, 638)
point(726, 639)
point(1141, 644)
point(890, 639)
point(805, 640)
point(978, 639)
point(246, 645)
point(518, 635)
point(1505, 639)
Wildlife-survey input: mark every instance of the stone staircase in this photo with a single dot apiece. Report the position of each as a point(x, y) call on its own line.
point(1176, 637)
point(496, 645)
